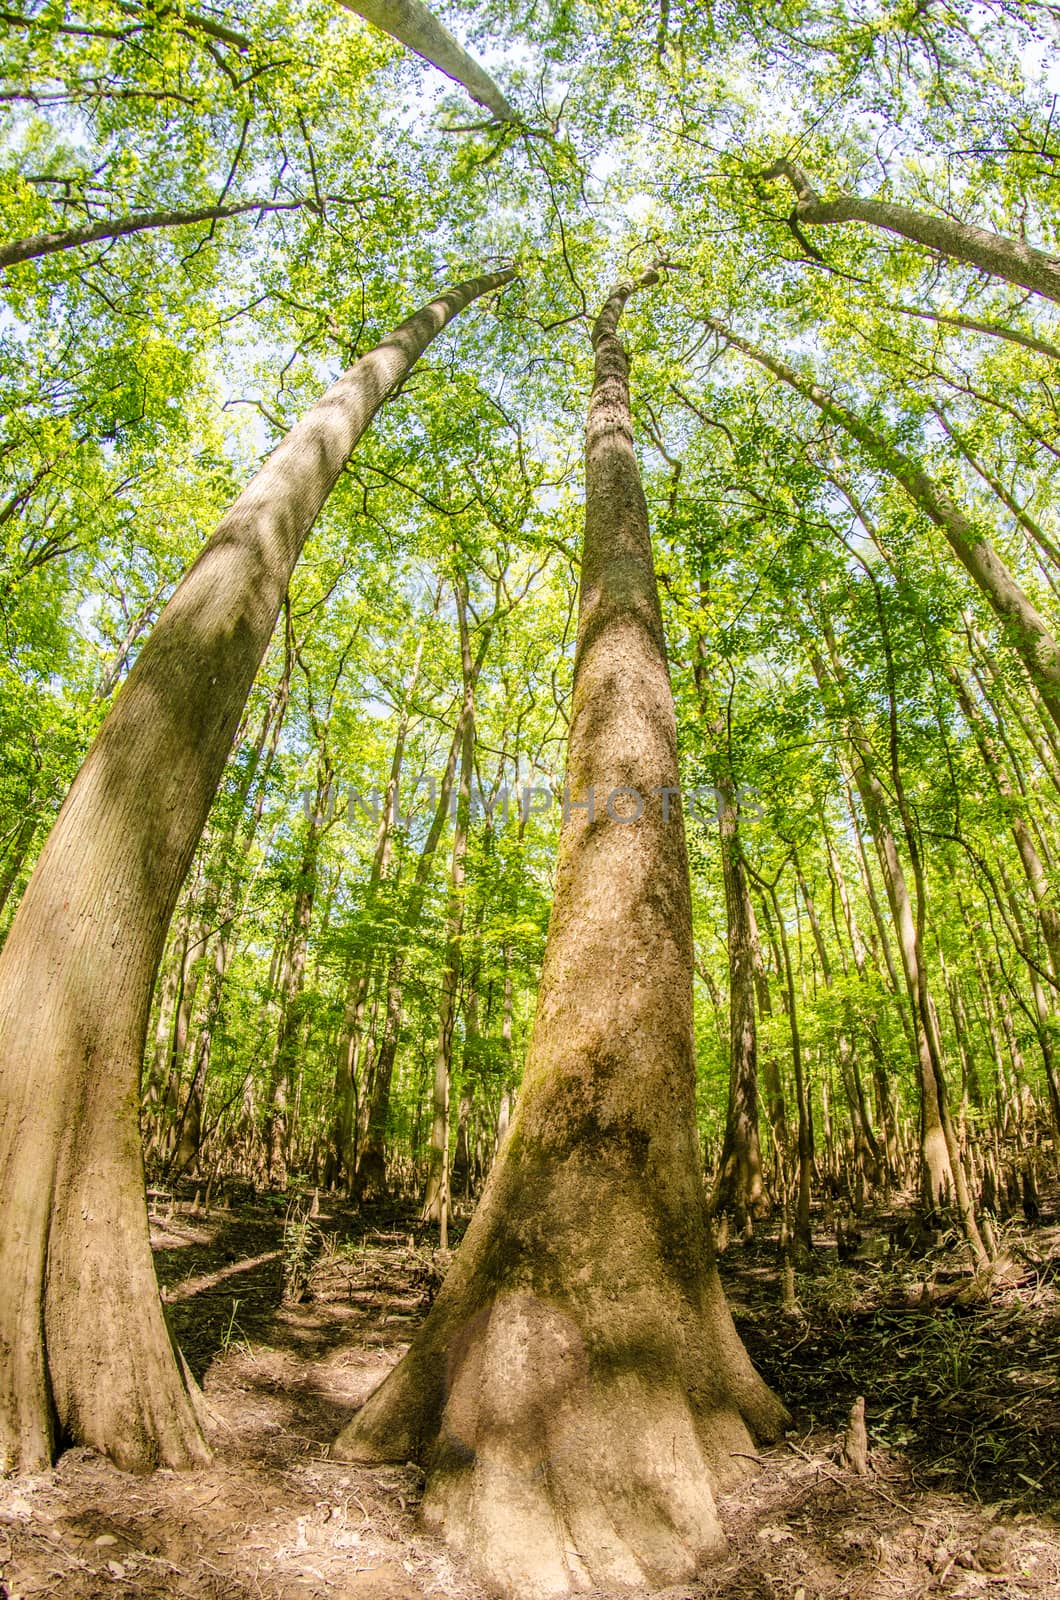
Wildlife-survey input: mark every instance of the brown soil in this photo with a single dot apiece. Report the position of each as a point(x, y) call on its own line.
point(962, 1407)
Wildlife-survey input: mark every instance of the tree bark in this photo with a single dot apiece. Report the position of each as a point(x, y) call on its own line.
point(436, 1199)
point(1011, 259)
point(739, 1191)
point(46, 244)
point(85, 1354)
point(413, 25)
point(578, 1390)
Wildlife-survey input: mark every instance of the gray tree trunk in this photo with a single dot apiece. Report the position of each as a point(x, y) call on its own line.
point(1012, 259)
point(413, 25)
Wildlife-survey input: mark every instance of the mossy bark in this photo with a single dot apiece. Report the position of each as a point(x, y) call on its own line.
point(578, 1391)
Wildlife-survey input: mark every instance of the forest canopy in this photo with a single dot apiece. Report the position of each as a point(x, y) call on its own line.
point(304, 305)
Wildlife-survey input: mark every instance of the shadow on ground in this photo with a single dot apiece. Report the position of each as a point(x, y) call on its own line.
point(967, 1389)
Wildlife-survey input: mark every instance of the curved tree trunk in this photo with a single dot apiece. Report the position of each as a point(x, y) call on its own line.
point(578, 1390)
point(1011, 259)
point(84, 1350)
point(413, 25)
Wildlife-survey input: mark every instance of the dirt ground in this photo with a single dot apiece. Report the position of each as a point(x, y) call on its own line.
point(962, 1405)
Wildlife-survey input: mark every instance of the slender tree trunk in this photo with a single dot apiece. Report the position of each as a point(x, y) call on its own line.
point(16, 855)
point(341, 1157)
point(135, 626)
point(866, 1150)
point(46, 244)
point(1033, 868)
point(578, 1388)
point(504, 1104)
point(189, 1130)
point(462, 1175)
point(767, 1059)
point(936, 1171)
point(739, 1192)
point(221, 907)
point(370, 1181)
point(881, 1078)
point(878, 919)
point(157, 1106)
point(942, 1169)
point(1034, 531)
point(436, 1200)
point(86, 1352)
point(803, 1229)
point(279, 1124)
point(187, 992)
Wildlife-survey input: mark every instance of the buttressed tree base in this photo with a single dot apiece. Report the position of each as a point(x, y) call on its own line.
point(579, 1392)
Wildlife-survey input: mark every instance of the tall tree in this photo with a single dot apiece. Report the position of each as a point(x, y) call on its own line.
point(560, 1455)
point(1026, 629)
point(436, 1200)
point(87, 1355)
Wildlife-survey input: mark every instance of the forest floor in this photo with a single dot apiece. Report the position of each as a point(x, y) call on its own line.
point(962, 1405)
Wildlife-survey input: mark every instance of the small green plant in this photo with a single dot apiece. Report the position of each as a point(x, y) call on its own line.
point(234, 1335)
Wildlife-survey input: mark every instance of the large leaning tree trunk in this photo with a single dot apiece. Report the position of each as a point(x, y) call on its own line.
point(578, 1391)
point(412, 24)
point(85, 1354)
